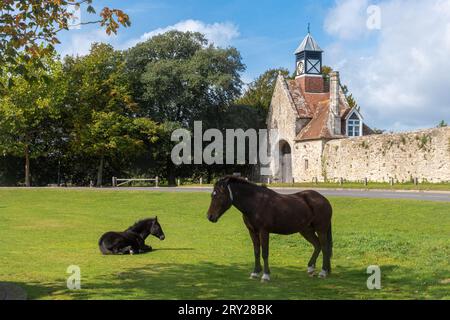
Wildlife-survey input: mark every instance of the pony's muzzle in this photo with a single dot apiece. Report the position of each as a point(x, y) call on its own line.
point(162, 237)
point(211, 218)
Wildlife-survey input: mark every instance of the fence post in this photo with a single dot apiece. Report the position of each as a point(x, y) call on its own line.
point(157, 181)
point(114, 182)
point(201, 180)
point(365, 182)
point(391, 181)
point(178, 182)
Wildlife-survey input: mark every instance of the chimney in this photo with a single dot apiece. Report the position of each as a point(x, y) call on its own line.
point(335, 119)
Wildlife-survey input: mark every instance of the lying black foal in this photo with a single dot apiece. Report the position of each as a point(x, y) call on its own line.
point(132, 240)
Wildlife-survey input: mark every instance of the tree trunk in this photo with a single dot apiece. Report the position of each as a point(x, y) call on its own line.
point(208, 174)
point(27, 167)
point(100, 171)
point(171, 173)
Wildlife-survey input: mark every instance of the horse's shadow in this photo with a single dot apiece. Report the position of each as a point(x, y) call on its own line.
point(206, 280)
point(173, 249)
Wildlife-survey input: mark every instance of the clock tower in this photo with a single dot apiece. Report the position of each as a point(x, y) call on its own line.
point(308, 65)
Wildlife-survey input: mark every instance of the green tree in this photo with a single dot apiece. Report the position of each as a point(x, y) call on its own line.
point(29, 112)
point(179, 77)
point(259, 93)
point(29, 30)
point(110, 135)
point(442, 124)
point(101, 115)
point(350, 99)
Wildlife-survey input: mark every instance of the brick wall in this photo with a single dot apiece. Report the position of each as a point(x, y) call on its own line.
point(311, 84)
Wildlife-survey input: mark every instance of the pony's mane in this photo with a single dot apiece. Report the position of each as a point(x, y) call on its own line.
point(234, 179)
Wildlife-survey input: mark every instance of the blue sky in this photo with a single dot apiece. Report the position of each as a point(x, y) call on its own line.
point(376, 63)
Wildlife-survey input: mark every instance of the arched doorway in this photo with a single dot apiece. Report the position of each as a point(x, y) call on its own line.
point(285, 162)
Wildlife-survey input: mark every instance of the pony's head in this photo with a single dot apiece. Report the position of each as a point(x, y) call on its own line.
point(156, 229)
point(221, 200)
point(148, 226)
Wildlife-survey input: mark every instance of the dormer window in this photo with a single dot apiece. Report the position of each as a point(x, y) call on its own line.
point(354, 125)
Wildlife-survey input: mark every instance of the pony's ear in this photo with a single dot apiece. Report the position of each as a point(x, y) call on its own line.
point(225, 182)
point(156, 218)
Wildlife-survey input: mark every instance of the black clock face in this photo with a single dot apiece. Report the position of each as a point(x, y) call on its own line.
point(300, 67)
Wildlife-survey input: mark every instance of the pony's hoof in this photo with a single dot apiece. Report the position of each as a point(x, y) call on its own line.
point(323, 274)
point(254, 275)
point(265, 278)
point(311, 271)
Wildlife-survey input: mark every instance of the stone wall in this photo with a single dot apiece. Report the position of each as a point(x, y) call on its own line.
point(423, 154)
point(307, 161)
point(282, 119)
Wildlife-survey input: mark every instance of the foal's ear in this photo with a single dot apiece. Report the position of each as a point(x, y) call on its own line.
point(156, 218)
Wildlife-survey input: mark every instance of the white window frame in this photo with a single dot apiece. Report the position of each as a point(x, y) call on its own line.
point(347, 124)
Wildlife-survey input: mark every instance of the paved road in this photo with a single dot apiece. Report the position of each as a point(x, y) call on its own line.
point(386, 194)
point(440, 196)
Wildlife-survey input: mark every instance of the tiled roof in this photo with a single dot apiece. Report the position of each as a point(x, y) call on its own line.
point(314, 106)
point(317, 127)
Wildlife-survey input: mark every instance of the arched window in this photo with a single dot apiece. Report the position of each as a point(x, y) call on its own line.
point(354, 126)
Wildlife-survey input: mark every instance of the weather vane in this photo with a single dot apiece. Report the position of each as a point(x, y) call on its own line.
point(309, 27)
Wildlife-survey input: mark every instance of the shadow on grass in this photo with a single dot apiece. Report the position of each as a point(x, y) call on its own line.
point(211, 281)
point(173, 249)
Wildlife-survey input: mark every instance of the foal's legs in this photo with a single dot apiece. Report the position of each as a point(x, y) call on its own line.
point(326, 266)
point(264, 238)
point(256, 249)
point(310, 235)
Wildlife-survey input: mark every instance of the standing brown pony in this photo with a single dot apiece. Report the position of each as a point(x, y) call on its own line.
point(266, 211)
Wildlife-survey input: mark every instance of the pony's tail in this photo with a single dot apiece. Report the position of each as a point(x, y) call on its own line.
point(330, 241)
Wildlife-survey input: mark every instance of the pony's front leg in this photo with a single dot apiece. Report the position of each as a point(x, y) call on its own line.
point(264, 239)
point(145, 248)
point(257, 251)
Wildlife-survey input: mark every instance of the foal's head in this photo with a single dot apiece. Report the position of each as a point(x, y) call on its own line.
point(147, 227)
point(156, 230)
point(221, 200)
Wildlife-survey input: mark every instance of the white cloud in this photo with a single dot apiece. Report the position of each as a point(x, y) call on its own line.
point(79, 42)
point(347, 19)
point(402, 82)
point(220, 33)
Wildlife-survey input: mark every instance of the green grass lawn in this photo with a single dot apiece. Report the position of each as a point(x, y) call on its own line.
point(43, 231)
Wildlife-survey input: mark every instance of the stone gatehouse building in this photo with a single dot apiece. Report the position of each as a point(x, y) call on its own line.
point(319, 137)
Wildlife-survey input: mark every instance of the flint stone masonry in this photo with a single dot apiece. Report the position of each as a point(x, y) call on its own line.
point(404, 156)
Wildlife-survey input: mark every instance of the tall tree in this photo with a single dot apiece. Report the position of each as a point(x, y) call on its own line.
point(179, 77)
point(29, 30)
point(99, 108)
point(110, 135)
point(29, 112)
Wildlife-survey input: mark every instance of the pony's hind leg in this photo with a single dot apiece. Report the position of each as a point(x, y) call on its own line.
point(326, 249)
point(310, 235)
